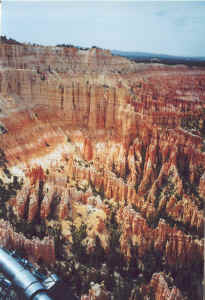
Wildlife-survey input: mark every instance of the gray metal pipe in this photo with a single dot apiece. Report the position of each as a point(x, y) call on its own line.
point(41, 296)
point(23, 280)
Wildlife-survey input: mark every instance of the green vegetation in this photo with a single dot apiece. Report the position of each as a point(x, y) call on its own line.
point(68, 139)
point(203, 147)
point(165, 190)
point(3, 130)
point(9, 41)
point(3, 159)
point(193, 125)
point(7, 190)
point(78, 249)
point(55, 232)
point(56, 200)
point(65, 45)
point(114, 257)
point(95, 47)
point(36, 228)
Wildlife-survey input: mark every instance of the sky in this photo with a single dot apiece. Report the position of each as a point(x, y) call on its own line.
point(168, 27)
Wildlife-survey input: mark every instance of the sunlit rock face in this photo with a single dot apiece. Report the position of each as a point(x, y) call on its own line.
point(99, 146)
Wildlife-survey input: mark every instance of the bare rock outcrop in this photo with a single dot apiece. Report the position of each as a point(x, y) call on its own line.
point(98, 139)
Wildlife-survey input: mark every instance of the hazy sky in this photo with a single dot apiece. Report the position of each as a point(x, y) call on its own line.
point(167, 27)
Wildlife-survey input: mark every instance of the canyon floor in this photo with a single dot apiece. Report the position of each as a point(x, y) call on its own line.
point(102, 170)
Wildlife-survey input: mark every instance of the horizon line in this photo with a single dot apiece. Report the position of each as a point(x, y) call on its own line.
point(111, 50)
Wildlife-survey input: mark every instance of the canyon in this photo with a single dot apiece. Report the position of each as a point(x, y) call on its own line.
point(102, 170)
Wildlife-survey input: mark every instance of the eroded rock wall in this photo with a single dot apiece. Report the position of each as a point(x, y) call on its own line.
point(97, 140)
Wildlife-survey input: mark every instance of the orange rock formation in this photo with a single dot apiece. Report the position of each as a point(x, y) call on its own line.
point(83, 125)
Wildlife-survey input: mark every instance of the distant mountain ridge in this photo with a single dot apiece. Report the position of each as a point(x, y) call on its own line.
point(136, 54)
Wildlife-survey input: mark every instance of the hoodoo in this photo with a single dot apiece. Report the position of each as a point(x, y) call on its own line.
point(102, 165)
